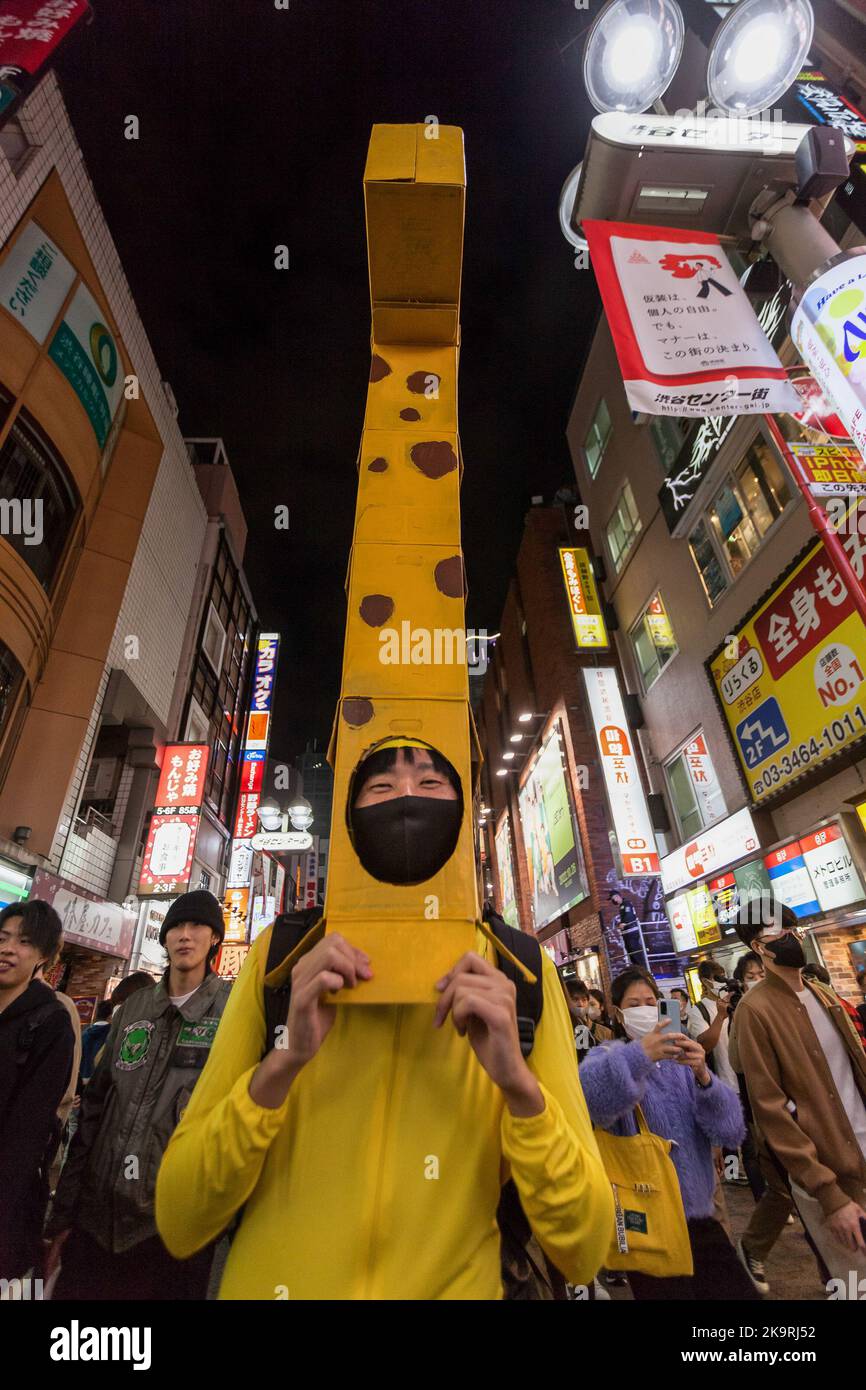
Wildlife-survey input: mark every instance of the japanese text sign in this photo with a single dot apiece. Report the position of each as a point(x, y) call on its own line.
point(829, 469)
point(725, 842)
point(586, 618)
point(686, 336)
point(30, 30)
point(831, 867)
point(181, 781)
point(793, 693)
point(625, 794)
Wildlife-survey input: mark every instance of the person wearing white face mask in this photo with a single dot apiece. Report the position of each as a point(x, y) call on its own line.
point(666, 1074)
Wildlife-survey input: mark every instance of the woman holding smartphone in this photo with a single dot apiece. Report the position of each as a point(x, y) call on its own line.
point(666, 1073)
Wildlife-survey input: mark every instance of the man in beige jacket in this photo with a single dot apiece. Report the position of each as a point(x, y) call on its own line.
point(805, 1069)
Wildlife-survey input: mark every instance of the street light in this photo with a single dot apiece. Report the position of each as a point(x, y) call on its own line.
point(270, 814)
point(632, 52)
point(757, 53)
point(301, 813)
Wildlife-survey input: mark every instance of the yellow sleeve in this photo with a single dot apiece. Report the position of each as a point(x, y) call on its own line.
point(215, 1156)
point(553, 1156)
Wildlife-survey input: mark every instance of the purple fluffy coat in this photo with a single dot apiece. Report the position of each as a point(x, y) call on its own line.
point(618, 1076)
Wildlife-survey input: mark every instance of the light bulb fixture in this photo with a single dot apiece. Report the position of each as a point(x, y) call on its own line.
point(301, 813)
point(270, 815)
point(516, 738)
point(632, 52)
point(502, 772)
point(524, 718)
point(508, 756)
point(756, 54)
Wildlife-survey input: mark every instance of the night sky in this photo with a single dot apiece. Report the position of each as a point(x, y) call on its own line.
point(254, 124)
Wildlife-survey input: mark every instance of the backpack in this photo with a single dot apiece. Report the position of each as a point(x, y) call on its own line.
point(24, 1043)
point(521, 1277)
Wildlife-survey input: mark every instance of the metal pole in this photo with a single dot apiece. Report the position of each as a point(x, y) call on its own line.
point(833, 545)
point(798, 243)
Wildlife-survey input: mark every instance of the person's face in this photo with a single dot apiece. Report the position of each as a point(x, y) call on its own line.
point(188, 943)
point(753, 972)
point(765, 943)
point(638, 995)
point(18, 956)
point(412, 774)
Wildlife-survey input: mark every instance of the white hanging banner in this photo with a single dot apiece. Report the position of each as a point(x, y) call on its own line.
point(687, 338)
point(829, 332)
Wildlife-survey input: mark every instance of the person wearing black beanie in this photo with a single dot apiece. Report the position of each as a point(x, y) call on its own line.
point(101, 1228)
point(200, 908)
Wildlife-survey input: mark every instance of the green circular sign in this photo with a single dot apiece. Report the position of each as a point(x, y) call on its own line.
point(104, 353)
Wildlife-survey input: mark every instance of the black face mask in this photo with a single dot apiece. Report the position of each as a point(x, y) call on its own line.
point(406, 839)
point(786, 950)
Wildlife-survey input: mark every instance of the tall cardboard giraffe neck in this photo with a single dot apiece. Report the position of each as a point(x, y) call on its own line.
point(406, 575)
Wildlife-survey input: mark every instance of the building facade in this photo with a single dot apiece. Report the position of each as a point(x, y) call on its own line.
point(707, 555)
point(125, 620)
point(550, 860)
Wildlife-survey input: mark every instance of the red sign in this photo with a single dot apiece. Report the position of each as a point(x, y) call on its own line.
point(181, 781)
point(86, 1006)
point(818, 413)
point(718, 885)
point(230, 960)
point(803, 614)
point(782, 856)
point(30, 30)
point(167, 862)
point(819, 838)
point(252, 775)
point(245, 825)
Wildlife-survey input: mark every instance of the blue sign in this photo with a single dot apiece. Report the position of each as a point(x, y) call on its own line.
point(792, 885)
point(762, 733)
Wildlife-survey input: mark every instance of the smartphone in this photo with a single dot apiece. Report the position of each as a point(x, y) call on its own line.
point(669, 1015)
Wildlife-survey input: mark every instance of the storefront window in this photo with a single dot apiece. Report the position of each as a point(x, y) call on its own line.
point(746, 506)
point(623, 528)
point(37, 502)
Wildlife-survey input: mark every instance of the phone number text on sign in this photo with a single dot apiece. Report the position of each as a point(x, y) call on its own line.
point(792, 686)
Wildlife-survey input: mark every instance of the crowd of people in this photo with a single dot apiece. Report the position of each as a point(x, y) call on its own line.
point(382, 1135)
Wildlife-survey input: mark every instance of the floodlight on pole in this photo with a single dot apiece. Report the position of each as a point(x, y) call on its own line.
point(632, 52)
point(301, 813)
point(756, 54)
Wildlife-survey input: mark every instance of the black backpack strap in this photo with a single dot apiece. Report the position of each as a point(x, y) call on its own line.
point(30, 1027)
point(288, 931)
point(530, 997)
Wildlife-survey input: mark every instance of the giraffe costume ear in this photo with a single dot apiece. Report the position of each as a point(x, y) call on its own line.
point(401, 882)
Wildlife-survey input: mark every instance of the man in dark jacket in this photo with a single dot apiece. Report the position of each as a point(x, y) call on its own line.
point(36, 1046)
point(102, 1225)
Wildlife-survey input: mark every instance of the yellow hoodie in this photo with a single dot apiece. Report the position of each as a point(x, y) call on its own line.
point(379, 1176)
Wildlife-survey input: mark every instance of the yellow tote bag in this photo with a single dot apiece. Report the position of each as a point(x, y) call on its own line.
point(651, 1235)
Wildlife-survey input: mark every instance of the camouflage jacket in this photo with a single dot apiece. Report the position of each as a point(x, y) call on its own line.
point(144, 1078)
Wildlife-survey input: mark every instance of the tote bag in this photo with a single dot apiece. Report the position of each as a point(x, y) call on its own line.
point(651, 1235)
